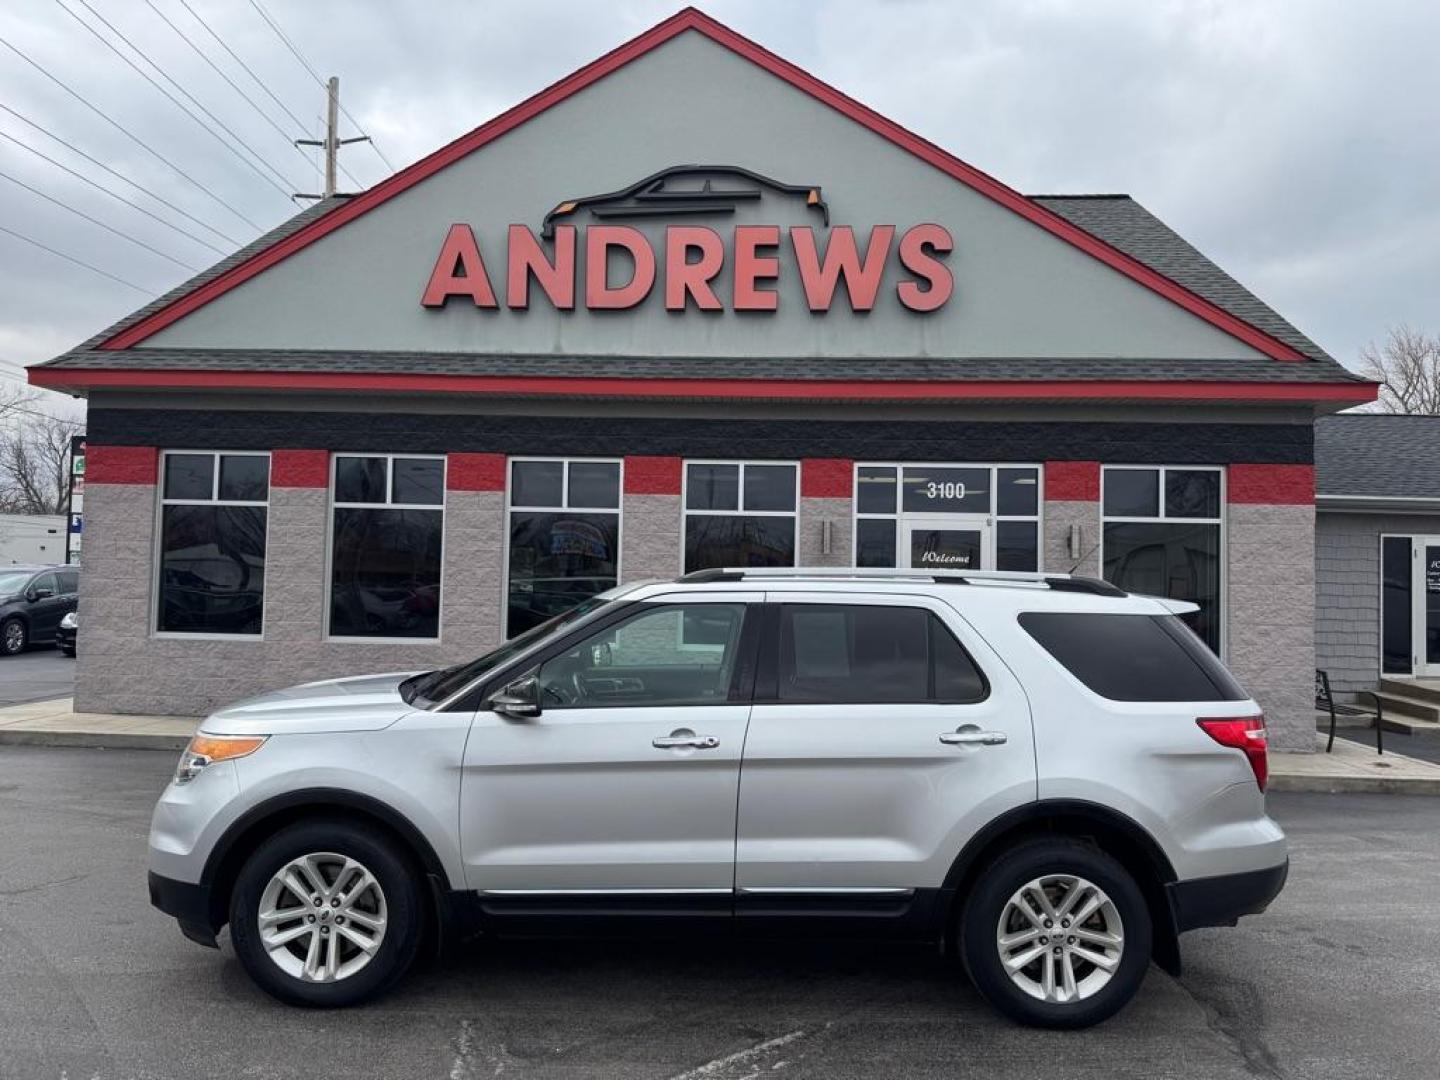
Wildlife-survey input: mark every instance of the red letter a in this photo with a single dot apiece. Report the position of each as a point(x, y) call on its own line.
point(459, 271)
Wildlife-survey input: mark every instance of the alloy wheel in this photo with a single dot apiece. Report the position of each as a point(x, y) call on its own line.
point(1060, 938)
point(322, 917)
point(14, 636)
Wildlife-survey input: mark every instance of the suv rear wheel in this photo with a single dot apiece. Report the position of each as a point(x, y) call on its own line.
point(326, 914)
point(1056, 933)
point(14, 636)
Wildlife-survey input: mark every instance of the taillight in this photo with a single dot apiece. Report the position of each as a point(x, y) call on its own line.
point(1244, 733)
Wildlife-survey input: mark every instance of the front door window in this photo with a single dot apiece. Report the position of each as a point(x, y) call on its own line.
point(945, 544)
point(1428, 593)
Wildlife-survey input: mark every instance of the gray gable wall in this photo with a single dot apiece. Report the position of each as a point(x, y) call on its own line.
point(1020, 292)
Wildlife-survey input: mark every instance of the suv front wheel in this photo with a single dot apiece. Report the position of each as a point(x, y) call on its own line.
point(1056, 933)
point(326, 914)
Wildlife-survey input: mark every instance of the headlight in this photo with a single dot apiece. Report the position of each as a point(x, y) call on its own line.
point(205, 750)
point(68, 622)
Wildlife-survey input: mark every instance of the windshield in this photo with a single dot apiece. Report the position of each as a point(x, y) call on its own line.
point(13, 583)
point(439, 685)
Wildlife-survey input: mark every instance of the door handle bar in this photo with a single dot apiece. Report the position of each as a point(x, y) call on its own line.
point(973, 737)
point(676, 742)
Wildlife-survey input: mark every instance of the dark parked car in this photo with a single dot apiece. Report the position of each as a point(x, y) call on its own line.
point(33, 600)
point(65, 636)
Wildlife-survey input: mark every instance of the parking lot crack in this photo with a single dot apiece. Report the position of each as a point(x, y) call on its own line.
point(1238, 1023)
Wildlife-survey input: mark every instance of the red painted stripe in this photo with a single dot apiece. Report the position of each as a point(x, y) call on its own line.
point(691, 19)
point(1189, 390)
point(475, 472)
point(121, 464)
point(827, 478)
point(300, 468)
point(1291, 485)
point(652, 475)
point(1077, 481)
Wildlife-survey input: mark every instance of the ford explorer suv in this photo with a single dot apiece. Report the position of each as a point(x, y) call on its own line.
point(1048, 776)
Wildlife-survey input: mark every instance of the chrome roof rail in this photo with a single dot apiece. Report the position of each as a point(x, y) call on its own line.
point(1058, 582)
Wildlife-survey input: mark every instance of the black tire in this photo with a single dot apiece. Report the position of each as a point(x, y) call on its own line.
point(14, 637)
point(398, 878)
point(980, 922)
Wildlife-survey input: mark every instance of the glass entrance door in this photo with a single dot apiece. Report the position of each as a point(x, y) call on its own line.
point(1426, 591)
point(950, 542)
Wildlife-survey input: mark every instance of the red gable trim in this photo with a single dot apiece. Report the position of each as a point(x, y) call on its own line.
point(121, 464)
point(755, 389)
point(300, 468)
point(1077, 481)
point(1292, 485)
point(652, 475)
point(690, 19)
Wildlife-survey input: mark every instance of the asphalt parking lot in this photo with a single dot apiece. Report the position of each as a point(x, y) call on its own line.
point(1339, 980)
point(38, 674)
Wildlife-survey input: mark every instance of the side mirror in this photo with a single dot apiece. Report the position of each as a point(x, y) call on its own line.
point(40, 594)
point(519, 699)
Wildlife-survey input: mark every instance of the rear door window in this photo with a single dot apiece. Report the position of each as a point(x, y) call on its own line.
point(883, 654)
point(1133, 657)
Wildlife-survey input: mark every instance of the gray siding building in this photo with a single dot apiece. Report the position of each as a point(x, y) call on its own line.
point(688, 307)
point(1377, 554)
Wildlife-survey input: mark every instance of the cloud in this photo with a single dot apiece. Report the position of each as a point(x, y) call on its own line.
point(1292, 141)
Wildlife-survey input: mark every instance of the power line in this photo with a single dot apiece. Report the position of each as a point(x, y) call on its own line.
point(299, 124)
point(315, 75)
point(112, 194)
point(119, 176)
point(97, 221)
point(287, 136)
point(77, 262)
point(173, 99)
point(132, 137)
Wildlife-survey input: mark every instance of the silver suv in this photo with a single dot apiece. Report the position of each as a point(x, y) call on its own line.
point(1050, 776)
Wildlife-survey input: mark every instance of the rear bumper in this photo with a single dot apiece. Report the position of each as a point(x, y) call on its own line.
point(189, 904)
point(1221, 900)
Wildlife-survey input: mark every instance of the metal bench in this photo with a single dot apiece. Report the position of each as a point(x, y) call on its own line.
point(1324, 699)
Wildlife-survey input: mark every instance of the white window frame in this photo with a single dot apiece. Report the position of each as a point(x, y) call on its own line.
point(157, 558)
point(1161, 516)
point(510, 505)
point(898, 514)
point(332, 505)
point(686, 513)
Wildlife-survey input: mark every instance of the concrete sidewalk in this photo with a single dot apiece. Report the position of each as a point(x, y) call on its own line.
point(56, 723)
point(1352, 767)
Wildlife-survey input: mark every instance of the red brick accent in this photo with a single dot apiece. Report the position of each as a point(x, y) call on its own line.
point(1278, 484)
point(827, 478)
point(1072, 481)
point(121, 464)
point(652, 476)
point(475, 472)
point(299, 468)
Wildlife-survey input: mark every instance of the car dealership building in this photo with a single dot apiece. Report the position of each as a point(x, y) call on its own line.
point(688, 307)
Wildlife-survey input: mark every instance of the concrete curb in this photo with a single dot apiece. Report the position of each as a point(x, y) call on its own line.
point(1361, 785)
point(92, 740)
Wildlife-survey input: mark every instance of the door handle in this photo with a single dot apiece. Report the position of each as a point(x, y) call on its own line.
point(970, 735)
point(680, 742)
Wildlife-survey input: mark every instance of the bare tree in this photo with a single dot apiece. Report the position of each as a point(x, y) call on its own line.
point(34, 459)
point(1407, 367)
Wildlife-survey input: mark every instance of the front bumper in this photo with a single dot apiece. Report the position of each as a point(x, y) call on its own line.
point(1221, 900)
point(189, 904)
point(65, 639)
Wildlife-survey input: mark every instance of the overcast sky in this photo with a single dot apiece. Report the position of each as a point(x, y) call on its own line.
point(1295, 142)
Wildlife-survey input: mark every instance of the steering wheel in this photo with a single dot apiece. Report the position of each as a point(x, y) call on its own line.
point(551, 690)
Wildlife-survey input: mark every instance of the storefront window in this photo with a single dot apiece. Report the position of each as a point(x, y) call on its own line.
point(564, 522)
point(1161, 535)
point(740, 514)
point(981, 517)
point(387, 530)
point(213, 517)
point(1396, 606)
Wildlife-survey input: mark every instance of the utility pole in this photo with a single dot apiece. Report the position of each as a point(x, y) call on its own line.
point(332, 142)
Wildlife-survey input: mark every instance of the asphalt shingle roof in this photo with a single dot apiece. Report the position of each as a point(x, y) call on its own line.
point(1116, 219)
point(1378, 455)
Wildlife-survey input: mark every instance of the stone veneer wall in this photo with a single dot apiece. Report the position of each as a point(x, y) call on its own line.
point(651, 519)
point(1072, 497)
point(123, 668)
point(1270, 610)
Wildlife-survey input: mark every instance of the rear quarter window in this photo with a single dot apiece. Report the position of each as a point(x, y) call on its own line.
point(1133, 657)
